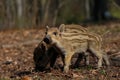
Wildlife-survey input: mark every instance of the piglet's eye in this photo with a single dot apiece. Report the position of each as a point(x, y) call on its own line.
point(45, 32)
point(55, 33)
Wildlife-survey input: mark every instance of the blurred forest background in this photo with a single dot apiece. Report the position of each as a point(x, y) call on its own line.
point(36, 13)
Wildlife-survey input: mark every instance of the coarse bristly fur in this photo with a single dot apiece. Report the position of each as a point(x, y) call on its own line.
point(44, 56)
point(71, 40)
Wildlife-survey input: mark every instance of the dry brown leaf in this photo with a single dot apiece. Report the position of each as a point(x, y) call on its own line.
point(26, 78)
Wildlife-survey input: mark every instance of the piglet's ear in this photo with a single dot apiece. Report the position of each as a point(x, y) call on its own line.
point(62, 28)
point(47, 28)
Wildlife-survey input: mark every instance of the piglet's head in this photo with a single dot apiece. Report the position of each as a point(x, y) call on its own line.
point(52, 34)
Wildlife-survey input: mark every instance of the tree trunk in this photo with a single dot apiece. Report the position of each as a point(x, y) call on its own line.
point(8, 13)
point(60, 4)
point(19, 12)
point(2, 14)
point(87, 9)
point(35, 9)
point(46, 12)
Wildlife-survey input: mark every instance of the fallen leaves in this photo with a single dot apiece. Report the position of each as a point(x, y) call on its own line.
point(16, 57)
point(26, 78)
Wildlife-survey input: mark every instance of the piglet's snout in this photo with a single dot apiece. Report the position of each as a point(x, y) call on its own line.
point(47, 39)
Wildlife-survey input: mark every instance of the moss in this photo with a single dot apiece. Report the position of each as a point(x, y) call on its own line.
point(115, 11)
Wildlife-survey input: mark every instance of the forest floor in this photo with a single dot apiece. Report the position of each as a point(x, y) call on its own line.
point(16, 56)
